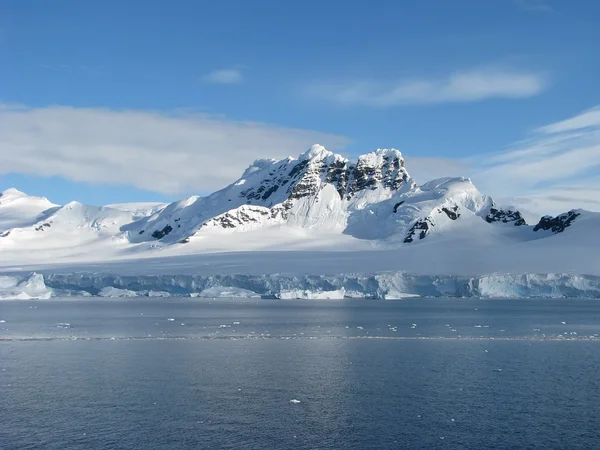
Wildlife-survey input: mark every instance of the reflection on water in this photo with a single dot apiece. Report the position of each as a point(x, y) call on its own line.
point(362, 375)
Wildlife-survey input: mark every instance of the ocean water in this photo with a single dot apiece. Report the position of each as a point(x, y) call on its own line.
point(200, 374)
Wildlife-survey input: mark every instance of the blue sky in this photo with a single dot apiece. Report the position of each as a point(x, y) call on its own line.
point(114, 101)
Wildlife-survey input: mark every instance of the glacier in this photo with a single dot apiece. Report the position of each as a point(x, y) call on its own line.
point(393, 285)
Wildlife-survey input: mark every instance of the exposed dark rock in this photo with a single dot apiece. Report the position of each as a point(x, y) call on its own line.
point(365, 177)
point(451, 212)
point(557, 224)
point(397, 205)
point(269, 191)
point(235, 218)
point(505, 216)
point(338, 176)
point(422, 227)
point(141, 232)
point(307, 177)
point(159, 234)
point(367, 174)
point(185, 241)
point(298, 168)
point(309, 184)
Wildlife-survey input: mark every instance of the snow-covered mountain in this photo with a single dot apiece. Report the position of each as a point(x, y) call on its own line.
point(373, 199)
point(317, 190)
point(319, 201)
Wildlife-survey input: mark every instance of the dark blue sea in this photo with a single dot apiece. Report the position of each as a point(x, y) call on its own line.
point(172, 373)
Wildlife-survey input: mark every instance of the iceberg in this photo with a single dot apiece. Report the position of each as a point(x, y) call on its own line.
point(24, 287)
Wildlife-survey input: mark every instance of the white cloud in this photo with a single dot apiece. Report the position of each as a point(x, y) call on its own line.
point(466, 86)
point(560, 198)
point(556, 168)
point(167, 153)
point(589, 119)
point(224, 76)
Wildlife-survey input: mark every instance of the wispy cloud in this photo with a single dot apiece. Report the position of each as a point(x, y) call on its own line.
point(558, 164)
point(224, 76)
point(556, 168)
point(466, 86)
point(160, 152)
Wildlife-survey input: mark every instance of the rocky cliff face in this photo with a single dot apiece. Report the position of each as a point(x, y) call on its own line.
point(296, 190)
point(557, 224)
point(307, 175)
point(505, 216)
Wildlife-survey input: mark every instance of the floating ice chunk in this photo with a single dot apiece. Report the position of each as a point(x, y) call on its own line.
point(170, 319)
point(295, 401)
point(3, 321)
point(21, 287)
point(360, 328)
point(227, 292)
point(110, 291)
point(158, 294)
point(564, 323)
point(311, 295)
point(236, 323)
point(63, 325)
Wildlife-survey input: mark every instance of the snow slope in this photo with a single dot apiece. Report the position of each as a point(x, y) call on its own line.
point(315, 214)
point(74, 230)
point(17, 209)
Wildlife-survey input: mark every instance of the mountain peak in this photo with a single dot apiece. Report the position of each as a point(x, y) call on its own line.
point(316, 152)
point(13, 193)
